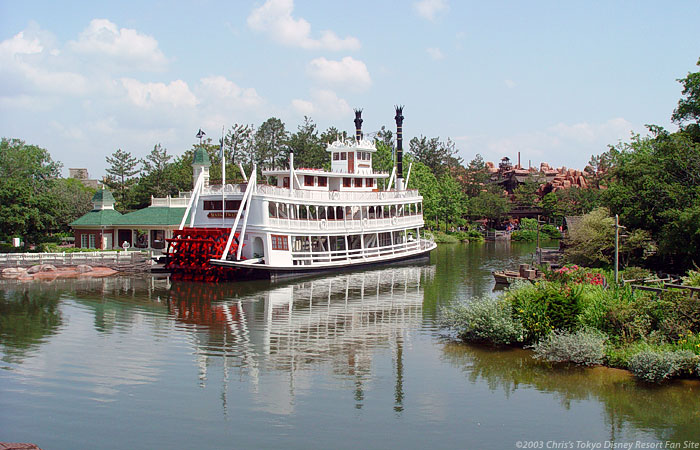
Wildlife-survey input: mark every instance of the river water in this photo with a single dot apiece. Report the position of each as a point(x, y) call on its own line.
point(353, 360)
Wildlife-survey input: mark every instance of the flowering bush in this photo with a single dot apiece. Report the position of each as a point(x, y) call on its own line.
point(575, 274)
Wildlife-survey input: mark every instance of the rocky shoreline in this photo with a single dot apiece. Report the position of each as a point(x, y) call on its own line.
point(50, 272)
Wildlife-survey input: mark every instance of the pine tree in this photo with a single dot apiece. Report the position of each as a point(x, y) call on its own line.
point(121, 175)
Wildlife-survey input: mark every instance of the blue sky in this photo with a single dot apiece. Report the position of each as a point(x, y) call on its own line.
point(557, 81)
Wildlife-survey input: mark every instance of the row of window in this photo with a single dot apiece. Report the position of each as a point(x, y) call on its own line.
point(215, 205)
point(357, 182)
point(337, 243)
point(310, 180)
point(278, 210)
point(342, 156)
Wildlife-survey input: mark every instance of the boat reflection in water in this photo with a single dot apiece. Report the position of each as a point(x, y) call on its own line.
point(341, 319)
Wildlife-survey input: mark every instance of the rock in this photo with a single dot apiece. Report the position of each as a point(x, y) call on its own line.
point(41, 268)
point(83, 268)
point(13, 271)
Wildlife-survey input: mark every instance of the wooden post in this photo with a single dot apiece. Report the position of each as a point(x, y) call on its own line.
point(617, 246)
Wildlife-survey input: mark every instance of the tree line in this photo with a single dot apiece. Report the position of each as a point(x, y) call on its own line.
point(652, 182)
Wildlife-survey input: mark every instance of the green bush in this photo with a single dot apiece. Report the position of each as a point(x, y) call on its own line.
point(545, 306)
point(443, 238)
point(692, 278)
point(550, 231)
point(655, 367)
point(634, 273)
point(483, 319)
point(584, 347)
point(524, 235)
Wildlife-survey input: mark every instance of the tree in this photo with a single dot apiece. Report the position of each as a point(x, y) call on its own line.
point(423, 179)
point(238, 144)
point(476, 176)
point(27, 174)
point(437, 155)
point(491, 204)
point(271, 143)
point(688, 109)
point(121, 176)
point(451, 199)
point(309, 151)
point(72, 200)
point(526, 193)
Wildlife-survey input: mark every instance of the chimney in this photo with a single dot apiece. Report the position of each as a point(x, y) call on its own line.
point(519, 166)
point(358, 125)
point(399, 146)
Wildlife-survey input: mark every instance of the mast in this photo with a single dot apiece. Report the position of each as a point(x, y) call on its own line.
point(358, 125)
point(399, 147)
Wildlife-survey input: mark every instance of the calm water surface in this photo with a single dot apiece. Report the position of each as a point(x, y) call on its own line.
point(347, 361)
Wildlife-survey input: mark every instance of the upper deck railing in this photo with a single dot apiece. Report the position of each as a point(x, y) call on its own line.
point(303, 194)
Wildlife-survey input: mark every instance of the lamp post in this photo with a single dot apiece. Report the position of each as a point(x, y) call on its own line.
point(617, 246)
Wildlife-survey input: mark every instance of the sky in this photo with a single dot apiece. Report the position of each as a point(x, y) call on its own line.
point(556, 81)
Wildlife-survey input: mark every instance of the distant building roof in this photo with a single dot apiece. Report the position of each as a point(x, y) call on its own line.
point(101, 217)
point(153, 215)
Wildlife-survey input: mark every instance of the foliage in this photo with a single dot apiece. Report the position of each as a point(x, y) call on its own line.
point(484, 319)
point(592, 242)
point(451, 200)
point(123, 167)
point(435, 154)
point(634, 273)
point(444, 238)
point(575, 201)
point(571, 273)
point(238, 144)
point(270, 148)
point(490, 204)
point(584, 347)
point(476, 176)
point(27, 176)
point(526, 193)
point(545, 306)
point(688, 109)
point(309, 150)
point(692, 278)
point(654, 185)
point(656, 367)
point(528, 231)
point(73, 201)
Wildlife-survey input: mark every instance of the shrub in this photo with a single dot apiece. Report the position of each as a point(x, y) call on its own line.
point(692, 278)
point(545, 306)
point(584, 347)
point(442, 238)
point(634, 273)
point(656, 367)
point(524, 235)
point(550, 231)
point(485, 319)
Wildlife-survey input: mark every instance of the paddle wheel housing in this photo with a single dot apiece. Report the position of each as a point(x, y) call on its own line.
point(191, 249)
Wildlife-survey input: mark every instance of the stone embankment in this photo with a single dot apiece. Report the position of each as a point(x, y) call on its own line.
point(50, 272)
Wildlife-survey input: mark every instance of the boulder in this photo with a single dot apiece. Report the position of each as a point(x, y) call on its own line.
point(41, 268)
point(11, 271)
point(83, 268)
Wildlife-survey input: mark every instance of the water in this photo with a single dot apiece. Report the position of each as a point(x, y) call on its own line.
point(354, 360)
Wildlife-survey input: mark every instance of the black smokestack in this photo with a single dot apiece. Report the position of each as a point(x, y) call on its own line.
point(399, 141)
point(358, 125)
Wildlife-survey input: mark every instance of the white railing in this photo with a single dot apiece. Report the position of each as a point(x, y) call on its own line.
point(324, 225)
point(339, 196)
point(170, 202)
point(74, 258)
point(319, 257)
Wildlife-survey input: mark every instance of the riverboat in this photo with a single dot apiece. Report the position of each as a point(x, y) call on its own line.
point(302, 220)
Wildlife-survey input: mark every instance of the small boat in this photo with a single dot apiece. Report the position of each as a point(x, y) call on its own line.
point(525, 273)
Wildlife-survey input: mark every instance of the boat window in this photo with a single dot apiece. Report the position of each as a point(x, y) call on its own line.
point(339, 212)
point(293, 211)
point(420, 208)
point(279, 242)
point(285, 182)
point(301, 243)
point(369, 182)
point(322, 212)
point(370, 213)
point(323, 181)
point(272, 209)
point(348, 212)
point(331, 213)
point(308, 180)
point(233, 205)
point(356, 213)
point(282, 211)
point(358, 182)
point(213, 205)
point(312, 213)
point(343, 156)
point(336, 156)
point(365, 212)
point(346, 182)
point(393, 211)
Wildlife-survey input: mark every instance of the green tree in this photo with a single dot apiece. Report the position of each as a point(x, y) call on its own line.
point(526, 193)
point(382, 161)
point(423, 179)
point(309, 150)
point(437, 155)
point(27, 174)
point(491, 204)
point(451, 200)
point(238, 144)
point(270, 146)
point(72, 200)
point(121, 175)
point(476, 176)
point(688, 109)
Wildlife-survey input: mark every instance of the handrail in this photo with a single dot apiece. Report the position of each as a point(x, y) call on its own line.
point(195, 192)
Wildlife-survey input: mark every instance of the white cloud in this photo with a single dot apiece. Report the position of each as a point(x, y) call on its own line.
point(435, 53)
point(428, 9)
point(323, 102)
point(145, 95)
point(220, 89)
point(275, 19)
point(510, 84)
point(123, 47)
point(348, 73)
point(19, 44)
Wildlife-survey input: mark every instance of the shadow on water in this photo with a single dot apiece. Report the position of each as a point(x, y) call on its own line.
point(671, 411)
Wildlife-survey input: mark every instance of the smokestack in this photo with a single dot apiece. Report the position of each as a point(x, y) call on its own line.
point(358, 125)
point(399, 144)
point(519, 167)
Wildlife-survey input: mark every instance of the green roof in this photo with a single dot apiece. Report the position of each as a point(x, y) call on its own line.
point(153, 215)
point(201, 158)
point(103, 196)
point(98, 217)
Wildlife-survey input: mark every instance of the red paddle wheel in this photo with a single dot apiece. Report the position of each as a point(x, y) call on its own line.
point(190, 250)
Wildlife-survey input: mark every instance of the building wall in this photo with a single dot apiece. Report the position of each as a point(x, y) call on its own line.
point(97, 233)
